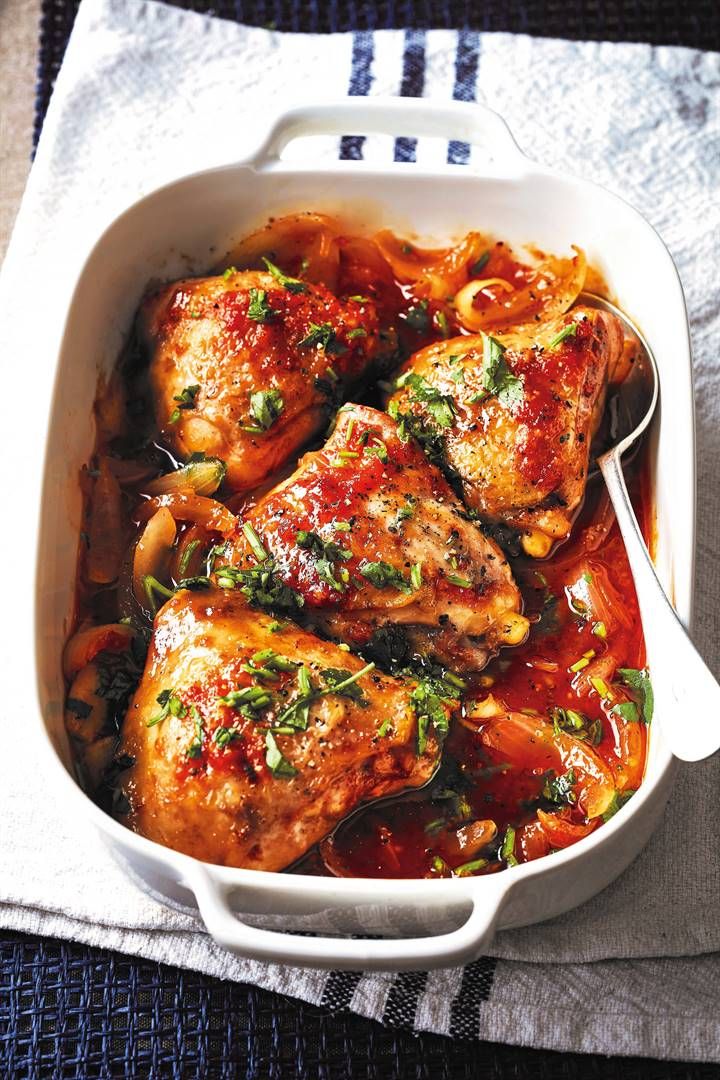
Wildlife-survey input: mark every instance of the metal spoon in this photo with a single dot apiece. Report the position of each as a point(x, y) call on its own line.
point(680, 676)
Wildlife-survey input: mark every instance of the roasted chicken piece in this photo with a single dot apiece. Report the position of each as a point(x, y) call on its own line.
point(251, 740)
point(368, 534)
point(513, 416)
point(248, 366)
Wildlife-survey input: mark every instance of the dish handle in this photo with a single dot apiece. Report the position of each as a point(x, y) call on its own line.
point(451, 949)
point(468, 122)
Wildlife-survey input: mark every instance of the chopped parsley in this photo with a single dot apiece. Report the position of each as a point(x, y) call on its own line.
point(442, 321)
point(336, 680)
point(224, 736)
point(187, 555)
point(322, 336)
point(254, 541)
point(262, 585)
point(468, 868)
point(507, 848)
point(186, 399)
point(266, 406)
point(567, 332)
point(627, 711)
point(382, 575)
point(326, 554)
point(258, 309)
point(461, 582)
point(403, 514)
point(358, 331)
point(497, 377)
point(639, 683)
point(430, 700)
point(559, 789)
point(276, 762)
point(378, 450)
point(153, 587)
point(293, 285)
point(577, 724)
point(441, 407)
point(248, 701)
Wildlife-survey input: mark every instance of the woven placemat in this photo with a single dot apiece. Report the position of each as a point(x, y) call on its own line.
point(70, 1011)
point(67, 1010)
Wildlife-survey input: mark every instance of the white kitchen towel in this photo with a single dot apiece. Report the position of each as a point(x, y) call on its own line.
point(147, 92)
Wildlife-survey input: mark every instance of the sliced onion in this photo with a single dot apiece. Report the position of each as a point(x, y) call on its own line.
point(551, 288)
point(185, 506)
point(562, 833)
point(435, 274)
point(84, 646)
point(105, 528)
point(532, 743)
point(152, 552)
point(308, 238)
point(197, 477)
point(473, 837)
point(532, 841)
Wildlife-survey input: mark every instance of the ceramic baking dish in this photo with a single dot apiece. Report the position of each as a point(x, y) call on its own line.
point(186, 226)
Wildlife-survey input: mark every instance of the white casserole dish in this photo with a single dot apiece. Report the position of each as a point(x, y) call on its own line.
point(186, 226)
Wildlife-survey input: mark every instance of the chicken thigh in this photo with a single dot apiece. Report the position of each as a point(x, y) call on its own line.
point(513, 416)
point(248, 366)
point(367, 534)
point(251, 740)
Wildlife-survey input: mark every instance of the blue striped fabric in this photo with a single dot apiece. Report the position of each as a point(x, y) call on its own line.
point(466, 71)
point(412, 85)
point(363, 53)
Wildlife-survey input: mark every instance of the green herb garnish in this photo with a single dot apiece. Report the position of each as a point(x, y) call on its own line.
point(497, 377)
point(276, 762)
point(337, 681)
point(326, 553)
point(171, 706)
point(323, 336)
point(559, 789)
point(577, 724)
point(567, 332)
point(266, 406)
point(194, 750)
point(639, 682)
point(382, 575)
point(262, 585)
point(441, 407)
point(507, 848)
point(254, 541)
point(258, 309)
point(293, 285)
point(186, 400)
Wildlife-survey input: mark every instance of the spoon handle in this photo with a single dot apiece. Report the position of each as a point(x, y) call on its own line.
point(686, 690)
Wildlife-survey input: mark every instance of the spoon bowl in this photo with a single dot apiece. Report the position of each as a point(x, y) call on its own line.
point(691, 725)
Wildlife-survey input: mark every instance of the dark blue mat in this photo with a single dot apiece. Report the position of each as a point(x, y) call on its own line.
point(70, 1011)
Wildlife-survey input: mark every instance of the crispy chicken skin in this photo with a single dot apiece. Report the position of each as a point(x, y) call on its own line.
point(522, 462)
point(222, 339)
point(369, 533)
point(224, 798)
